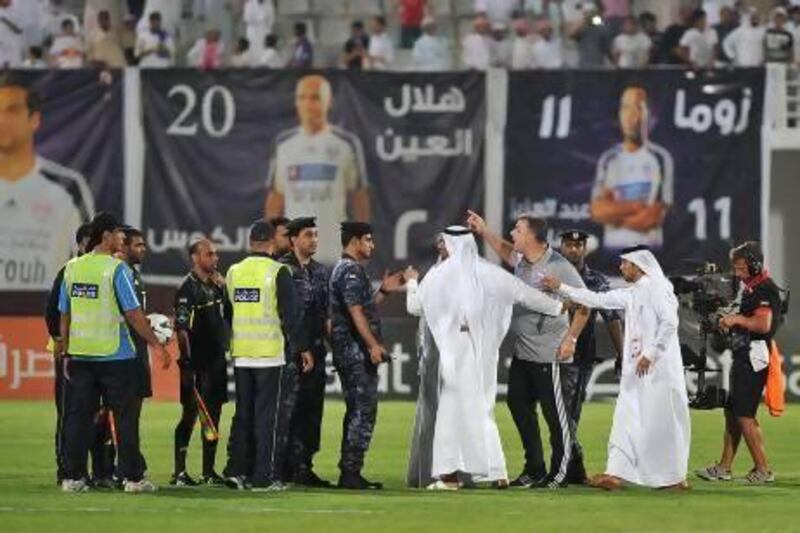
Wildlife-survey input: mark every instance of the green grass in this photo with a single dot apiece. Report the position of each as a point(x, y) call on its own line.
point(30, 501)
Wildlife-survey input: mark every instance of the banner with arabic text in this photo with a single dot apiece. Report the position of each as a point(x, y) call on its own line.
point(404, 151)
point(666, 158)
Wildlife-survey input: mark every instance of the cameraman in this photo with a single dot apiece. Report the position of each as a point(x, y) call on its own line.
point(758, 318)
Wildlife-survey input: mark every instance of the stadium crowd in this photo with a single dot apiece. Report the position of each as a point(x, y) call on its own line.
point(426, 35)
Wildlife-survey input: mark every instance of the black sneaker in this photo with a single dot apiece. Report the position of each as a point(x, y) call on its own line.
point(237, 483)
point(525, 481)
point(104, 483)
point(310, 479)
point(549, 483)
point(213, 479)
point(182, 479)
point(357, 482)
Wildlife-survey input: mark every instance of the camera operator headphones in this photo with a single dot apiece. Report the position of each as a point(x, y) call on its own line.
point(751, 253)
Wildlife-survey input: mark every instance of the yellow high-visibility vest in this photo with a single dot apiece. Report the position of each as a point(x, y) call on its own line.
point(95, 317)
point(253, 293)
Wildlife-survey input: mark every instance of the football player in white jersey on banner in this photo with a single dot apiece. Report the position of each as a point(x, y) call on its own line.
point(318, 168)
point(634, 183)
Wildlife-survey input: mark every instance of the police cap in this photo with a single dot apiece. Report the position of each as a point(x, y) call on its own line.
point(299, 224)
point(574, 235)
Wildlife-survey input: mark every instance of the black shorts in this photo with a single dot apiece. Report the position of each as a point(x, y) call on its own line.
point(211, 381)
point(746, 387)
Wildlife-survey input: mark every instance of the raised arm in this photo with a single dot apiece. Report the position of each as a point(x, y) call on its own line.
point(501, 247)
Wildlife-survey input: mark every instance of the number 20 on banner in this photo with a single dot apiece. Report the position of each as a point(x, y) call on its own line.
point(186, 123)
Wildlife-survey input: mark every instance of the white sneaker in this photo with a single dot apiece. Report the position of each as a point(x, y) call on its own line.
point(275, 486)
point(442, 485)
point(140, 486)
point(74, 485)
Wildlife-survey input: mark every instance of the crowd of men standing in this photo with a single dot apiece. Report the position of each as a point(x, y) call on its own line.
point(275, 312)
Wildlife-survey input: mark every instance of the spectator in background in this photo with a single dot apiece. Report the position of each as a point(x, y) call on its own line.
point(103, 47)
point(475, 47)
point(500, 46)
point(259, 17)
point(381, 49)
point(354, 53)
point(794, 27)
point(411, 14)
point(547, 50)
point(207, 52)
point(11, 39)
point(91, 15)
point(498, 11)
point(745, 44)
point(67, 49)
point(522, 54)
point(615, 12)
point(670, 47)
point(242, 56)
point(649, 25)
point(302, 50)
point(52, 15)
point(778, 41)
point(713, 9)
point(170, 12)
point(728, 21)
point(430, 53)
point(127, 37)
point(631, 48)
point(35, 59)
point(154, 46)
point(592, 38)
point(269, 57)
point(698, 44)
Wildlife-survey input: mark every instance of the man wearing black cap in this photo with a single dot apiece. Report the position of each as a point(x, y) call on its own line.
point(357, 347)
point(306, 392)
point(575, 377)
point(97, 303)
point(264, 309)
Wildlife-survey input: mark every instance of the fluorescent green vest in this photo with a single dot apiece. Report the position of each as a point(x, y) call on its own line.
point(253, 292)
point(95, 318)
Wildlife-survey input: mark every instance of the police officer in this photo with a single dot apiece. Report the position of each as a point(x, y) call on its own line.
point(282, 246)
point(263, 309)
point(575, 376)
point(201, 308)
point(758, 319)
point(97, 303)
point(53, 319)
point(305, 405)
point(357, 347)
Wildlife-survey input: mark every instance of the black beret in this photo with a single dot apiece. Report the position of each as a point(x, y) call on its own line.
point(356, 229)
point(299, 224)
point(574, 235)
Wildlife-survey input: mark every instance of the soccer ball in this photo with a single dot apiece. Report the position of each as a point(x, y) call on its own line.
point(162, 327)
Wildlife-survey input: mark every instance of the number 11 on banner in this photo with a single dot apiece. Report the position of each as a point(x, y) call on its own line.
point(548, 122)
point(698, 208)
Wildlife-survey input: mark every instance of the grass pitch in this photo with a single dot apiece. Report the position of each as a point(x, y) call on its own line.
point(30, 501)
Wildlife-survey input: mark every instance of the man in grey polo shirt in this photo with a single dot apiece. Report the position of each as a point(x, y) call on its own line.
point(542, 344)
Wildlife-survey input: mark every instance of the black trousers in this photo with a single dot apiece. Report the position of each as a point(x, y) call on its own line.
point(531, 384)
point(59, 390)
point(254, 431)
point(115, 382)
point(211, 384)
point(574, 380)
point(305, 429)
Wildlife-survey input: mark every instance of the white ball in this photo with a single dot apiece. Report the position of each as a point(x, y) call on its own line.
point(162, 327)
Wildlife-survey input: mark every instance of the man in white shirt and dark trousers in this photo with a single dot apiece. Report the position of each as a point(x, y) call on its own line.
point(542, 344)
point(264, 306)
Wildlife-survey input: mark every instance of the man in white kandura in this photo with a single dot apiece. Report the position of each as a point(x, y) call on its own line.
point(467, 304)
point(651, 433)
